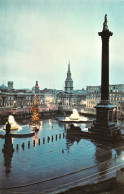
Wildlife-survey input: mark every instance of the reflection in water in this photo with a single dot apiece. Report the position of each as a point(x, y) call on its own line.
point(35, 138)
point(70, 139)
point(8, 153)
point(60, 124)
point(118, 151)
point(51, 157)
point(50, 123)
point(66, 126)
point(41, 125)
point(103, 155)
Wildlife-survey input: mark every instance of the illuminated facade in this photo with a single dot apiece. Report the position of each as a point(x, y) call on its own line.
point(14, 98)
point(18, 99)
point(76, 98)
point(116, 95)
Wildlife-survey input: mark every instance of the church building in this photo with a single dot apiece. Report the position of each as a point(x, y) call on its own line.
point(68, 81)
point(69, 96)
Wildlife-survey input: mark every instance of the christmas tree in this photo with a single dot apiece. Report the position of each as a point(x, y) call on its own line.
point(35, 111)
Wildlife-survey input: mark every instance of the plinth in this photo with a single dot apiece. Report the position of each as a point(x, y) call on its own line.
point(104, 124)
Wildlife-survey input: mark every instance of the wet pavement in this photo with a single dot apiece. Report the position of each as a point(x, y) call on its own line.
point(56, 163)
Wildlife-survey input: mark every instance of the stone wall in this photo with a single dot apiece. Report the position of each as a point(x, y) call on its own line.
point(26, 115)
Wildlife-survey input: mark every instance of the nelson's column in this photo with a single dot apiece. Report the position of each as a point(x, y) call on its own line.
point(104, 124)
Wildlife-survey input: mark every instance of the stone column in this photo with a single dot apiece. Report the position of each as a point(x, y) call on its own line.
point(104, 124)
point(105, 35)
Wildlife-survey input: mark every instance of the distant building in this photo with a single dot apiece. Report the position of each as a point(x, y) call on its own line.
point(68, 81)
point(10, 85)
point(37, 88)
point(24, 97)
point(50, 95)
point(93, 96)
point(3, 88)
point(10, 97)
point(71, 97)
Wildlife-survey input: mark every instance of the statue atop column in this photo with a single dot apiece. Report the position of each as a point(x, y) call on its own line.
point(105, 26)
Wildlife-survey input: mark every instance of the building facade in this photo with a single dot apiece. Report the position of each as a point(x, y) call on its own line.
point(71, 97)
point(68, 81)
point(116, 96)
point(22, 98)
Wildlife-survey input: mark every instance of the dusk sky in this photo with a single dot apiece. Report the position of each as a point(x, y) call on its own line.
point(39, 37)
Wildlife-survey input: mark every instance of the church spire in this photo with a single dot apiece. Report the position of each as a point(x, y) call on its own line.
point(69, 66)
point(68, 81)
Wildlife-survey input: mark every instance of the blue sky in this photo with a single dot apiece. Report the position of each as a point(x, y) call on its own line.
point(39, 37)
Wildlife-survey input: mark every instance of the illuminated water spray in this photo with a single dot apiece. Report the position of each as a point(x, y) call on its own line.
point(13, 123)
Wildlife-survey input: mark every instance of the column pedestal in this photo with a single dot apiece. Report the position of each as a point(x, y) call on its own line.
point(104, 124)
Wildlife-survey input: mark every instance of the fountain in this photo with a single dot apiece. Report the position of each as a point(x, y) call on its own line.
point(75, 118)
point(13, 123)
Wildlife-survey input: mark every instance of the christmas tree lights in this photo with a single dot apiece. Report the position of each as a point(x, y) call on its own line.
point(35, 111)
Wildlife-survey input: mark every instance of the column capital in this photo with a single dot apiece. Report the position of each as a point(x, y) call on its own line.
point(105, 34)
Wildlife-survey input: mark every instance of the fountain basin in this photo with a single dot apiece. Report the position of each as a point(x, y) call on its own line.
point(74, 121)
point(75, 118)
